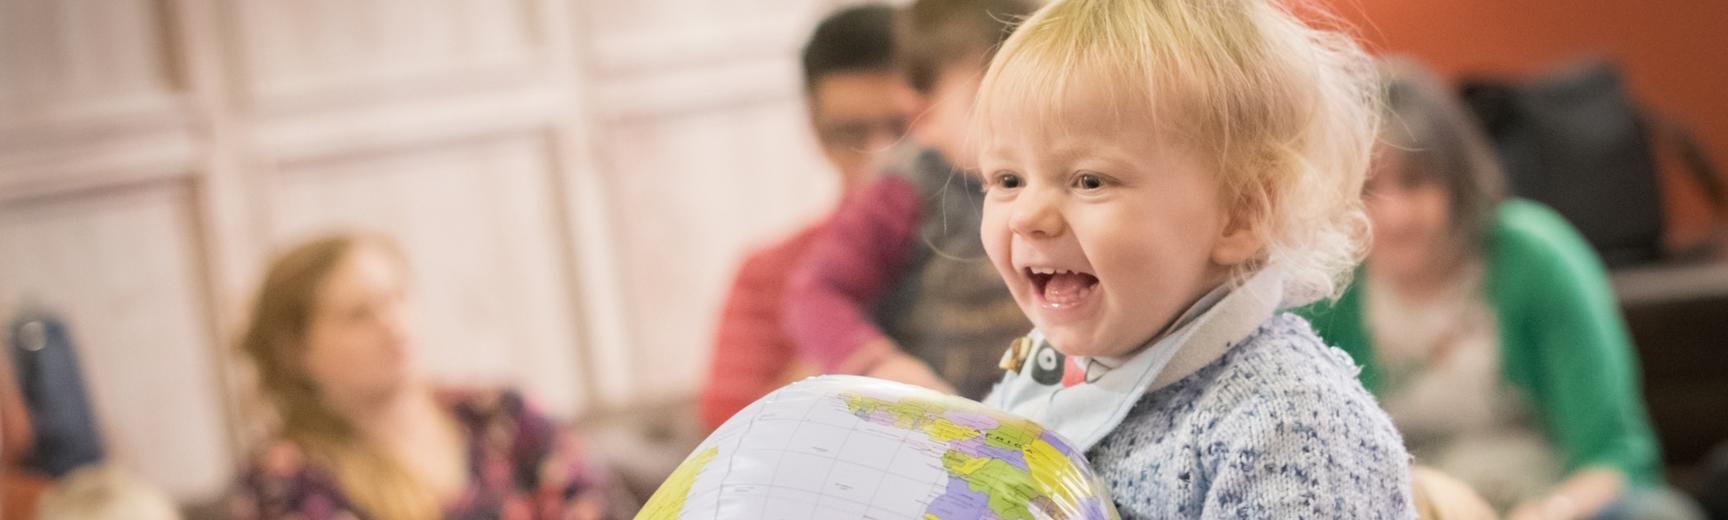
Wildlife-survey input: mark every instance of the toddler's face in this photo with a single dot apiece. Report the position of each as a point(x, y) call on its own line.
point(1103, 231)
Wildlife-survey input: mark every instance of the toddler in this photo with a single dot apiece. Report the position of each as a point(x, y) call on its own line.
point(1164, 177)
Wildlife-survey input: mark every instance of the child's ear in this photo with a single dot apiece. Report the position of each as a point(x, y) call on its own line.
point(1243, 236)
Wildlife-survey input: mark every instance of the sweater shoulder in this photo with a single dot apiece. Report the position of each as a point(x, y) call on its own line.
point(1284, 357)
point(1278, 427)
point(1283, 366)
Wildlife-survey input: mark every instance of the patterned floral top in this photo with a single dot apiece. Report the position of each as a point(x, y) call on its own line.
point(521, 466)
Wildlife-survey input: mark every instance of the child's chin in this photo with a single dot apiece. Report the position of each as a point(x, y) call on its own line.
point(1070, 344)
point(1083, 346)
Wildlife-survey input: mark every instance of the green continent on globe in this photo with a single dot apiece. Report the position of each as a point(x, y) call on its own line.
point(1012, 435)
point(1011, 490)
point(1003, 458)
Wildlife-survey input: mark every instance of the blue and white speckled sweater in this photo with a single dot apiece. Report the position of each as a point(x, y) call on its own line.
point(1277, 427)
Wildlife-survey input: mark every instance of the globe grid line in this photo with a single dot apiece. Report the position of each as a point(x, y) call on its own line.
point(900, 438)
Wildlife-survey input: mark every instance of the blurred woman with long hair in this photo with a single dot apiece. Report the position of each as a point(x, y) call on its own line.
point(361, 433)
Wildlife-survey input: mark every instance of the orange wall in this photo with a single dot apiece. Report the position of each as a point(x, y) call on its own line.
point(1674, 52)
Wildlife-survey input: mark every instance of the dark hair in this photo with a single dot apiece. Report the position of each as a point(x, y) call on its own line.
point(858, 38)
point(938, 33)
point(1442, 144)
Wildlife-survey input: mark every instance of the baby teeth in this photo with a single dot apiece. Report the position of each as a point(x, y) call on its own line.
point(1050, 270)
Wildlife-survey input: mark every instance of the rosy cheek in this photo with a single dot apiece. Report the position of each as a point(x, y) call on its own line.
point(993, 232)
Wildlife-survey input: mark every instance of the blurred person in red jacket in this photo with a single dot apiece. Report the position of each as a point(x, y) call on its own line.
point(898, 286)
point(859, 103)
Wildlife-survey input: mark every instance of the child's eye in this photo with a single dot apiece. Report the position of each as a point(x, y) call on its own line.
point(1089, 181)
point(1008, 180)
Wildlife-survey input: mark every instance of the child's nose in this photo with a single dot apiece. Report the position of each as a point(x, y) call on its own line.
point(1036, 215)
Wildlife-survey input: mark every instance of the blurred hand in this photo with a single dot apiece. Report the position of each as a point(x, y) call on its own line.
point(1526, 511)
point(1583, 495)
point(1438, 496)
point(1543, 510)
point(902, 367)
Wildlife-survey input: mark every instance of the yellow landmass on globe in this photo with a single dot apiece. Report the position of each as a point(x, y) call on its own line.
point(1052, 472)
point(668, 502)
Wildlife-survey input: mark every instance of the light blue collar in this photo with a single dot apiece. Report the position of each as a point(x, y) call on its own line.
point(1085, 412)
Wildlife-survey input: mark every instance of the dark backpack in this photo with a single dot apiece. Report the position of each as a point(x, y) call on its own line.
point(1575, 141)
point(64, 425)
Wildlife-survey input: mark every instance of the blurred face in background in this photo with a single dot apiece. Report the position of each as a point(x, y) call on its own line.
point(1414, 238)
point(944, 124)
point(358, 344)
point(858, 114)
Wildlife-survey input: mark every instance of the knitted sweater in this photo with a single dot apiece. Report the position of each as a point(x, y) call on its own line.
point(1277, 427)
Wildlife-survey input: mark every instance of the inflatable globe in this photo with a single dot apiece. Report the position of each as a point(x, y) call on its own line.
point(847, 447)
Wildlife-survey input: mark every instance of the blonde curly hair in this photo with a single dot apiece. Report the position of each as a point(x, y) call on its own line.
point(1285, 113)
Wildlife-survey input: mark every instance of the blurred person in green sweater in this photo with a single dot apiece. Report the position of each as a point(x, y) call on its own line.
point(1487, 328)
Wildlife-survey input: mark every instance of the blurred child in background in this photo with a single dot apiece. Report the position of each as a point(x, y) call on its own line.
point(897, 285)
point(859, 104)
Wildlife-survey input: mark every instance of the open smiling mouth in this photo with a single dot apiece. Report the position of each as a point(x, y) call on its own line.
point(1061, 289)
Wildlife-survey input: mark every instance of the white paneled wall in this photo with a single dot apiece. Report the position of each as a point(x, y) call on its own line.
point(477, 222)
point(123, 269)
point(677, 176)
point(574, 181)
